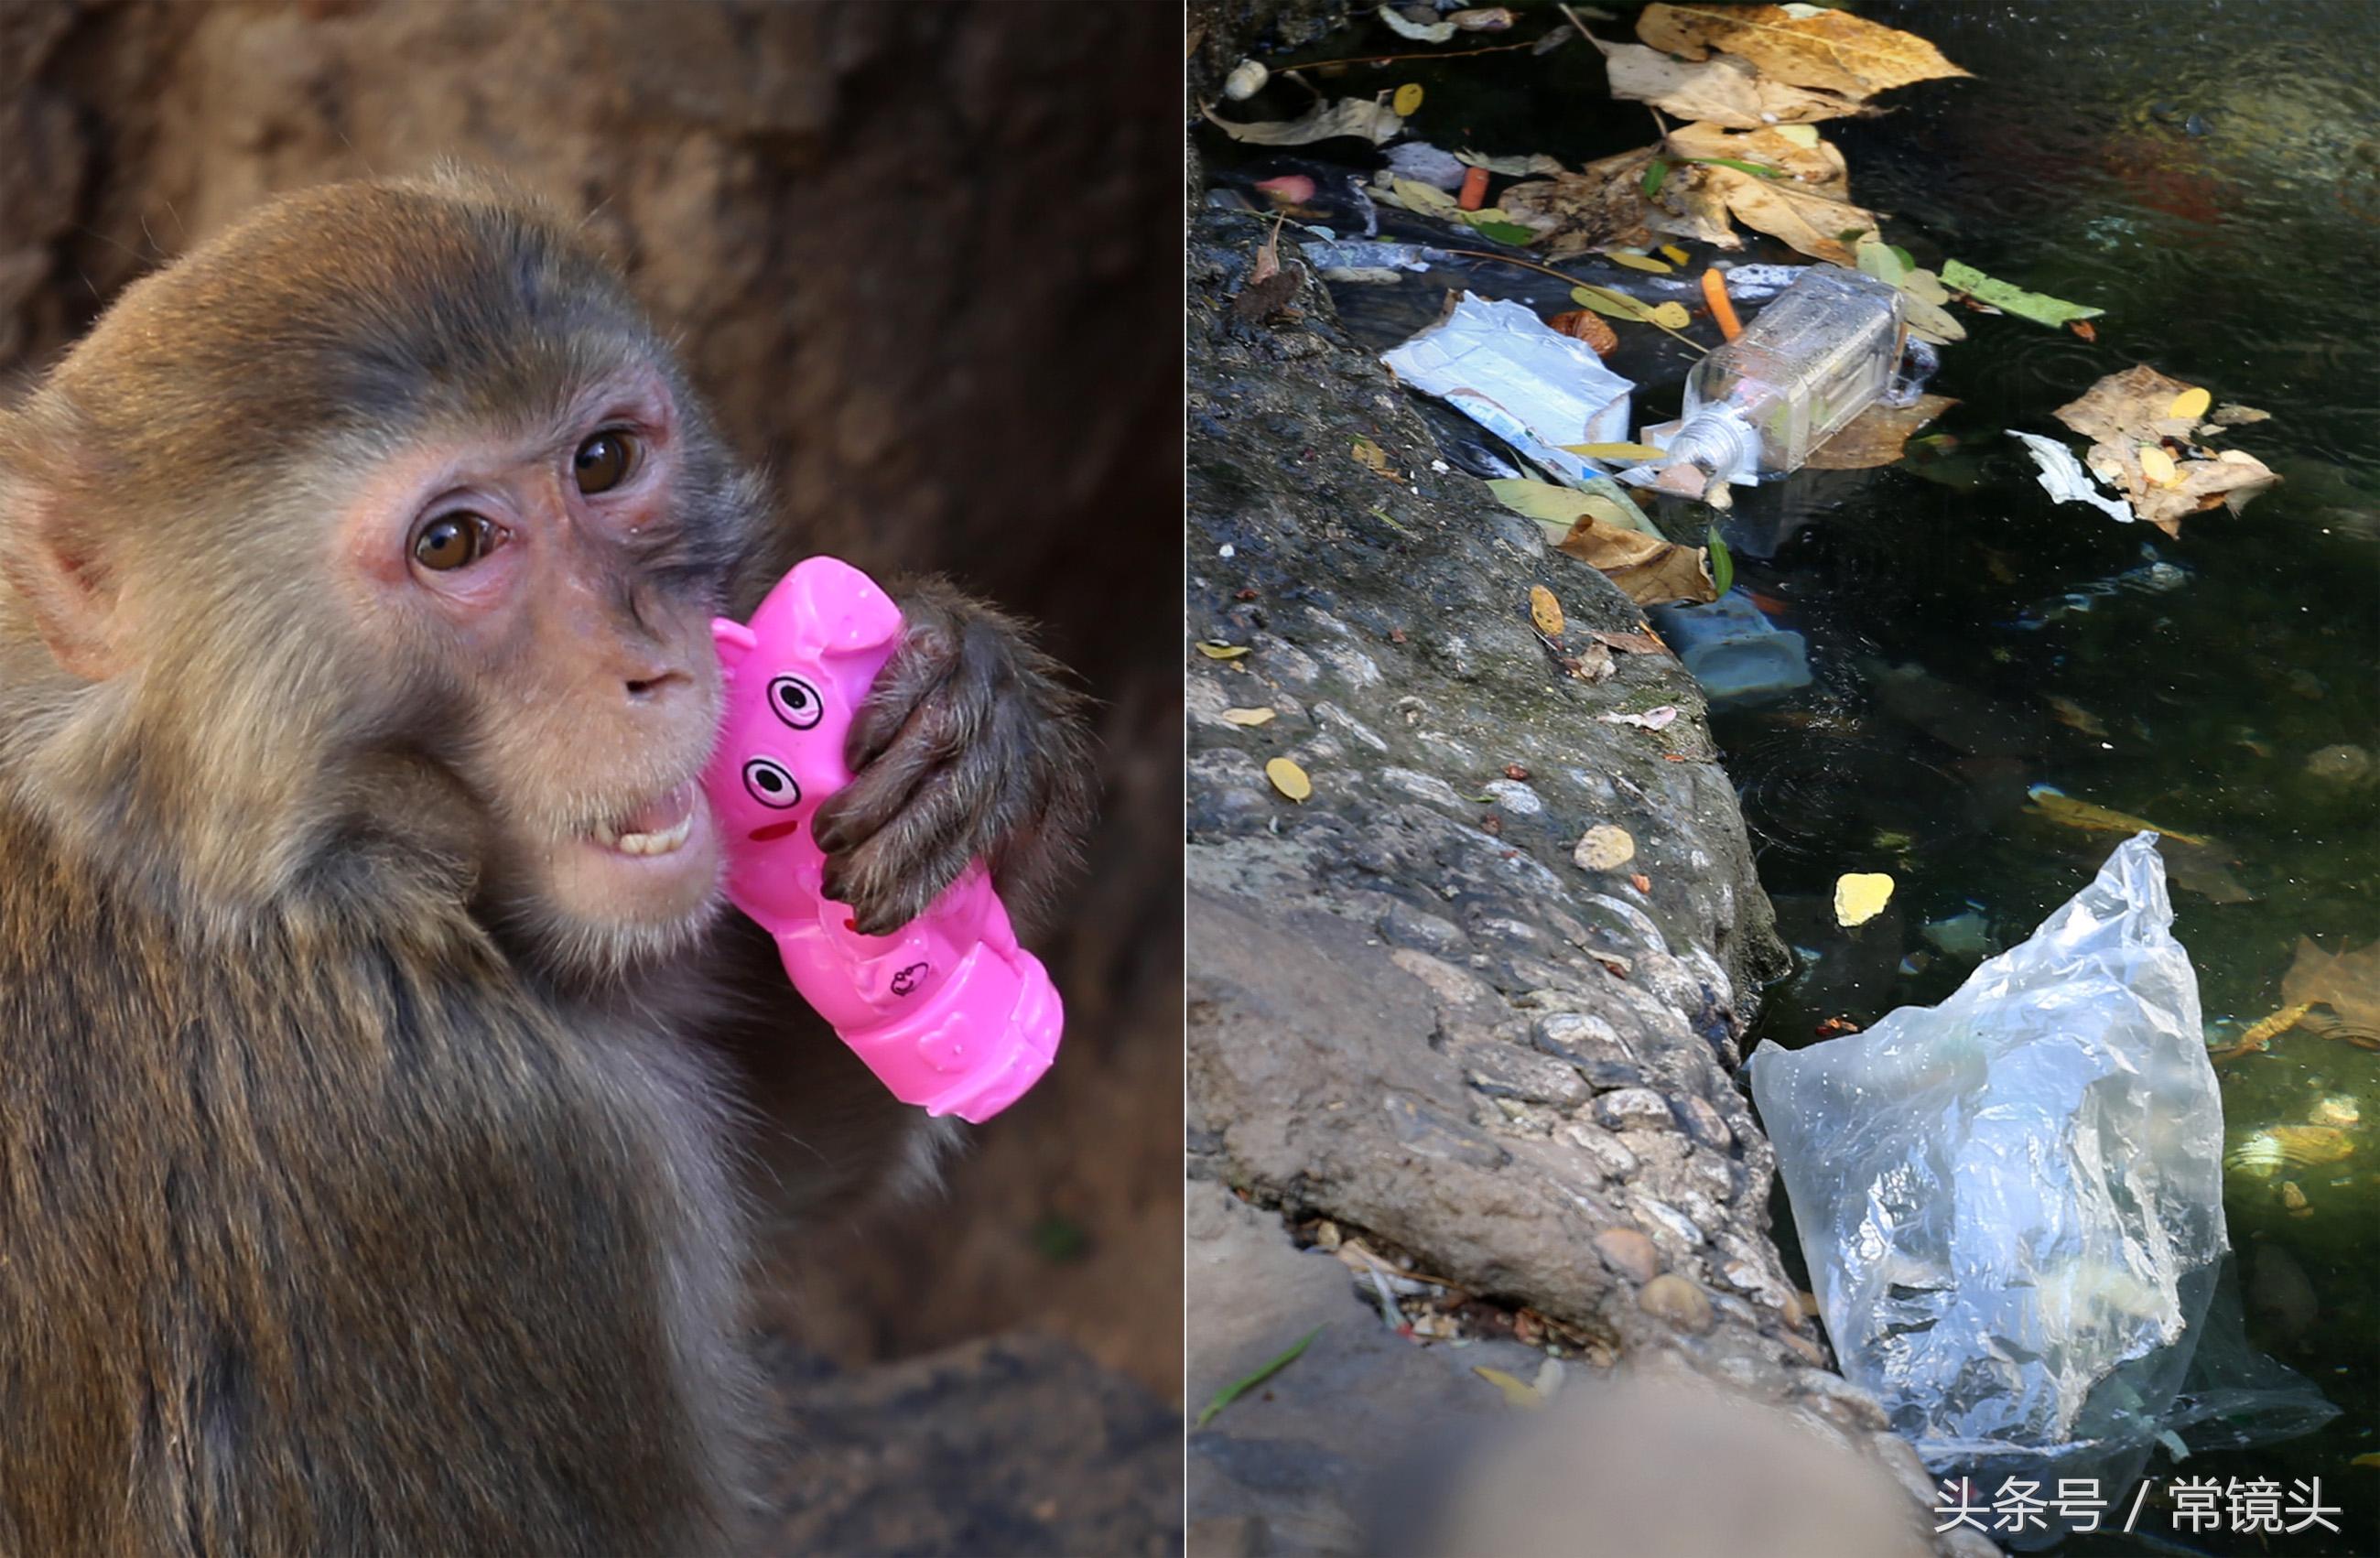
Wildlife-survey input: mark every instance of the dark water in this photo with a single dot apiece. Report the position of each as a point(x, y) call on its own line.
point(2210, 175)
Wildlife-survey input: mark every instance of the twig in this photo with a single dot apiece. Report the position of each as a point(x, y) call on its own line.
point(1392, 59)
point(1574, 281)
point(1238, 1388)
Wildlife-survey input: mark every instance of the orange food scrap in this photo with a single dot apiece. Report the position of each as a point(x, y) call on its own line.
point(1721, 307)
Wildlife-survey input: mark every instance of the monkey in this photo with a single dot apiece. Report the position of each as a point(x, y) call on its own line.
point(378, 1069)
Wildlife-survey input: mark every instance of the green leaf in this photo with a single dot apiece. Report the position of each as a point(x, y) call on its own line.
point(1503, 232)
point(2052, 311)
point(1612, 305)
point(1655, 172)
point(1722, 564)
point(1759, 169)
point(1239, 1388)
point(1883, 261)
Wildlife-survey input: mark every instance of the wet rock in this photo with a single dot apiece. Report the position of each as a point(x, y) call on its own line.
point(1505, 1070)
point(1702, 1122)
point(1677, 1300)
point(1629, 1253)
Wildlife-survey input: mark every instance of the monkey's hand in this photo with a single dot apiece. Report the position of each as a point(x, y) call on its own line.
point(969, 744)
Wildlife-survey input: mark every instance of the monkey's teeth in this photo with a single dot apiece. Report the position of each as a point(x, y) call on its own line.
point(659, 842)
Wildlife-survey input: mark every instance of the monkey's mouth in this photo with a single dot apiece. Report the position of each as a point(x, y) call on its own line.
point(661, 826)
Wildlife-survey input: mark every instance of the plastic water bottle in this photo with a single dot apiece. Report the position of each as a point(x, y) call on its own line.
point(1809, 362)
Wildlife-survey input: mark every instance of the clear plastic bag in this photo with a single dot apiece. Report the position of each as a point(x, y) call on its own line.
point(2011, 1203)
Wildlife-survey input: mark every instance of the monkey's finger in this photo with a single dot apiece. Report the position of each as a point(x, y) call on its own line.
point(896, 875)
point(937, 731)
point(937, 659)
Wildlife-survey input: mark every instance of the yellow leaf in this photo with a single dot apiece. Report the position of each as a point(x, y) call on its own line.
point(1640, 262)
point(1213, 650)
point(1861, 896)
point(1818, 226)
point(1612, 451)
point(2192, 403)
point(1545, 610)
point(1249, 716)
point(1670, 316)
point(1289, 779)
point(2155, 464)
point(1373, 458)
point(1516, 1393)
point(1407, 103)
point(1829, 51)
point(1803, 136)
point(1676, 256)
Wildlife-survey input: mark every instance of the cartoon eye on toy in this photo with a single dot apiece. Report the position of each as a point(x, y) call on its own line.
point(797, 702)
point(769, 783)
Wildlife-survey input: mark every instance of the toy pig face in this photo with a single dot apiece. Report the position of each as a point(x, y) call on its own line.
point(795, 678)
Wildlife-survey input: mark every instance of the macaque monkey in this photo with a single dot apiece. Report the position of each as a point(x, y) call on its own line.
point(373, 1048)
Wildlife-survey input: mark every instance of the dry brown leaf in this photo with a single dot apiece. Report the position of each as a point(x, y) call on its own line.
point(2349, 983)
point(1373, 458)
point(1819, 227)
point(1601, 206)
point(1829, 51)
point(1650, 571)
point(1875, 436)
point(1584, 324)
point(2128, 413)
point(1545, 610)
point(1816, 166)
point(1693, 208)
point(1647, 642)
point(1361, 116)
point(1723, 90)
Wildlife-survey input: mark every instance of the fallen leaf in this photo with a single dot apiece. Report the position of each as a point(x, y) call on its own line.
point(1213, 650)
point(1373, 458)
point(1800, 135)
point(1651, 719)
point(1584, 324)
point(2126, 416)
point(1817, 165)
point(2190, 404)
point(2238, 416)
point(1603, 205)
point(1811, 224)
point(1615, 305)
point(1371, 121)
point(1640, 263)
point(1641, 883)
point(1724, 90)
point(2074, 715)
point(2083, 329)
point(1649, 570)
point(1545, 502)
point(1420, 32)
point(1604, 847)
point(1611, 451)
point(1407, 101)
point(1877, 436)
point(2049, 801)
point(1545, 610)
point(1515, 1393)
point(1250, 716)
point(1860, 897)
point(1289, 779)
point(2052, 311)
point(1669, 316)
point(1675, 255)
point(1823, 49)
point(1630, 643)
point(2368, 1458)
point(2349, 983)
point(1535, 164)
point(1239, 1388)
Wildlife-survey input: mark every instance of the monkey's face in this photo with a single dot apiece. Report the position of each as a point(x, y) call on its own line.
point(551, 584)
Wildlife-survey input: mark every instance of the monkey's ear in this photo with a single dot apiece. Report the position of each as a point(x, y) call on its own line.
point(58, 576)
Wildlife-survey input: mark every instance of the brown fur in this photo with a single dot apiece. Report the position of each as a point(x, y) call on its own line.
point(356, 1195)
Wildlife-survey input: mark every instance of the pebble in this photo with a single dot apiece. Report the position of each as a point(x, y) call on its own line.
point(1629, 1253)
point(1610, 1155)
point(1702, 1122)
point(1633, 1106)
point(1674, 1298)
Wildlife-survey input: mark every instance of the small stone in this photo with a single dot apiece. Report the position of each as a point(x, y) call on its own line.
point(1702, 1122)
point(1633, 1107)
point(1629, 1253)
point(1604, 847)
point(1610, 1156)
point(1674, 1298)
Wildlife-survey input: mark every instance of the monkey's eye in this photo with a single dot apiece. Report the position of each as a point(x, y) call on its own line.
point(603, 461)
point(771, 784)
point(795, 701)
point(454, 541)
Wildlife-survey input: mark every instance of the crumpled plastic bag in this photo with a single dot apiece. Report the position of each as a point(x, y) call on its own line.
point(2012, 1203)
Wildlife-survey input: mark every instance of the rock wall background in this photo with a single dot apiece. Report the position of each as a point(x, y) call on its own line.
point(923, 259)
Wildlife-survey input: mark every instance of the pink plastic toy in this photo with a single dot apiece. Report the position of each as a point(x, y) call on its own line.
point(948, 1011)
